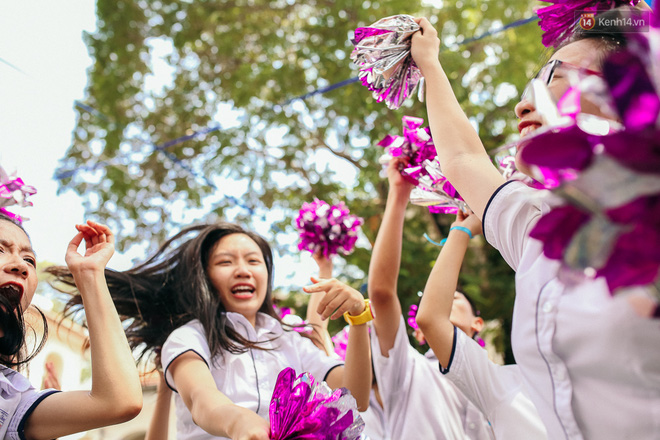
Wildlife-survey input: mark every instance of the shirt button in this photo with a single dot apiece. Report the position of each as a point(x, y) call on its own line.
point(560, 375)
point(547, 307)
point(472, 425)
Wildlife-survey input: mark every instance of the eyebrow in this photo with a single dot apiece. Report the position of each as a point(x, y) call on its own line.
point(231, 254)
point(8, 244)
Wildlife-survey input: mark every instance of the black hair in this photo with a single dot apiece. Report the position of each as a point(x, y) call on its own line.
point(172, 288)
point(473, 306)
point(13, 346)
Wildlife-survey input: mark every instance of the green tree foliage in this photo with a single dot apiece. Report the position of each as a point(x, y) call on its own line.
point(237, 63)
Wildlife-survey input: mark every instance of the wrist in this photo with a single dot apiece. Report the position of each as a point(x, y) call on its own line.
point(399, 194)
point(361, 318)
point(461, 230)
point(87, 274)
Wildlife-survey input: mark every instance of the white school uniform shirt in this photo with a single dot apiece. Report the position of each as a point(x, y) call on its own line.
point(497, 390)
point(418, 401)
point(18, 399)
point(590, 363)
point(248, 378)
point(375, 422)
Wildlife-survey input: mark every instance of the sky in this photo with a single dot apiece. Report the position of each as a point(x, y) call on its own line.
point(43, 63)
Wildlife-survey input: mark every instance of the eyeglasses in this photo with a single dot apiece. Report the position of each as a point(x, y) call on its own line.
point(547, 73)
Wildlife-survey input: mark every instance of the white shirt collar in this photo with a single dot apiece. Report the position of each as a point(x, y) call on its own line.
point(265, 324)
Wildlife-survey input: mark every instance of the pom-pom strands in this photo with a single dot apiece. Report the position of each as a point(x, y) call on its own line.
point(607, 222)
point(421, 167)
point(328, 228)
point(13, 191)
point(415, 146)
point(435, 191)
point(382, 52)
point(559, 19)
point(303, 409)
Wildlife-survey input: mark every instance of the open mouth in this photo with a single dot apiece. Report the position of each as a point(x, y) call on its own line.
point(528, 129)
point(243, 291)
point(13, 292)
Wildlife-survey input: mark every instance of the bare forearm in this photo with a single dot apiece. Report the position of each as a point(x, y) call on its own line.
point(321, 335)
point(386, 256)
point(436, 304)
point(357, 371)
point(159, 425)
point(115, 380)
point(461, 153)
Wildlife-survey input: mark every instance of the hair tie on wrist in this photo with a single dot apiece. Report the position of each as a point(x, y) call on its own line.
point(461, 228)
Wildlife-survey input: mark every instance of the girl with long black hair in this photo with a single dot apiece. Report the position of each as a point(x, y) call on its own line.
point(203, 304)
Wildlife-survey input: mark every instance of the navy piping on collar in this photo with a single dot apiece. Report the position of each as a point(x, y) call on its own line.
point(451, 357)
point(21, 425)
point(175, 358)
point(483, 218)
point(325, 378)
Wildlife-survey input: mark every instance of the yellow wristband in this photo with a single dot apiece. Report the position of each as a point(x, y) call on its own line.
point(363, 317)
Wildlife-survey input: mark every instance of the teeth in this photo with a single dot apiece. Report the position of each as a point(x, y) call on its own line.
point(525, 131)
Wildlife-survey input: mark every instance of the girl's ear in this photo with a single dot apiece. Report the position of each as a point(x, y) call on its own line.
point(477, 324)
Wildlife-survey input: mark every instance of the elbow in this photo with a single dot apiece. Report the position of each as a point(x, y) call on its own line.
point(381, 295)
point(424, 320)
point(127, 409)
point(131, 410)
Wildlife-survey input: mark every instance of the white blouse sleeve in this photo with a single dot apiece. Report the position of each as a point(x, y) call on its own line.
point(496, 390)
point(511, 213)
point(313, 359)
point(394, 371)
point(189, 337)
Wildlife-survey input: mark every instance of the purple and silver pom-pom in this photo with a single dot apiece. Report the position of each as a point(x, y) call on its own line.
point(414, 146)
point(436, 192)
point(302, 408)
point(13, 191)
point(382, 52)
point(330, 229)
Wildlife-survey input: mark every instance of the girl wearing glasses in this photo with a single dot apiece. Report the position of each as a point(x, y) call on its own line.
point(589, 360)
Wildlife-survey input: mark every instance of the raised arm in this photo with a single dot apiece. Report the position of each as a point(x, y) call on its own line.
point(356, 372)
point(160, 419)
point(386, 259)
point(324, 342)
point(211, 410)
point(436, 305)
point(461, 153)
point(116, 394)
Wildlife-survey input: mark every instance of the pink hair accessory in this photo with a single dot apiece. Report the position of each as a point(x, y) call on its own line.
point(13, 191)
point(412, 316)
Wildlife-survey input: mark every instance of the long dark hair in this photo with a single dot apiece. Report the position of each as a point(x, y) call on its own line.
point(13, 346)
point(172, 288)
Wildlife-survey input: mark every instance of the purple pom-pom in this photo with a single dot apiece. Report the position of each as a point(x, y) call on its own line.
point(330, 229)
point(302, 408)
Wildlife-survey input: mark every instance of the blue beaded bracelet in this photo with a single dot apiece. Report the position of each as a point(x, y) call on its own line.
point(461, 228)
